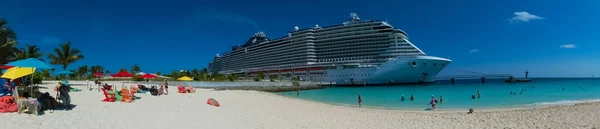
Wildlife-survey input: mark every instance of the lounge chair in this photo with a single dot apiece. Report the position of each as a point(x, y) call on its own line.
point(126, 95)
point(108, 96)
point(134, 89)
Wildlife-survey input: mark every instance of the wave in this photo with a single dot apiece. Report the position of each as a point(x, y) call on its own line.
point(563, 102)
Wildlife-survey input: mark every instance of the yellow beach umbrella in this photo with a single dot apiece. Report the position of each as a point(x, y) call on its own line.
point(17, 72)
point(185, 78)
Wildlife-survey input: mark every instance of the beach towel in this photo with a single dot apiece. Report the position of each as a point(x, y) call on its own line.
point(7, 104)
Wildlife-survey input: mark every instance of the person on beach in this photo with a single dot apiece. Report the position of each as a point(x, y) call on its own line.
point(402, 98)
point(478, 94)
point(63, 95)
point(412, 97)
point(166, 87)
point(359, 101)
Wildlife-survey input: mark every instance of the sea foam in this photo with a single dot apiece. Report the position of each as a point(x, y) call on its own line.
point(563, 102)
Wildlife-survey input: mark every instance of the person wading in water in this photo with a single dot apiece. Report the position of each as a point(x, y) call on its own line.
point(359, 101)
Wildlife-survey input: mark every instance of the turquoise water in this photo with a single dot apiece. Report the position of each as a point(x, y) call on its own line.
point(494, 94)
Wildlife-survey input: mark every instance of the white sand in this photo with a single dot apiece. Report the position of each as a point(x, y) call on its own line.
point(250, 109)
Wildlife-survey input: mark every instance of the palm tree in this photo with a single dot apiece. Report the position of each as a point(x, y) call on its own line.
point(96, 68)
point(82, 71)
point(52, 70)
point(204, 73)
point(46, 73)
point(65, 55)
point(196, 74)
point(31, 51)
point(8, 41)
point(135, 69)
point(122, 69)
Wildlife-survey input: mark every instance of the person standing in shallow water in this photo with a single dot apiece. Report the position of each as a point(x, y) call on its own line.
point(412, 97)
point(478, 94)
point(359, 101)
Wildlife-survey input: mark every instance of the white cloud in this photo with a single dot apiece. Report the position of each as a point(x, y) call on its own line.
point(524, 17)
point(568, 46)
point(474, 51)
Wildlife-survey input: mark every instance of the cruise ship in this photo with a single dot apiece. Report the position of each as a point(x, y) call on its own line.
point(357, 52)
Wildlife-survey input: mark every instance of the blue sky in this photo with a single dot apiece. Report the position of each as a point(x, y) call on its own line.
point(550, 38)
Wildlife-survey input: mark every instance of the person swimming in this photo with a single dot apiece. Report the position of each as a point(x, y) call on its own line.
point(521, 93)
point(412, 97)
point(402, 98)
point(478, 94)
point(472, 96)
point(441, 99)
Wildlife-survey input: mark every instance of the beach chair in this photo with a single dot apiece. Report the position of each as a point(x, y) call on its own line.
point(181, 89)
point(108, 97)
point(126, 95)
point(134, 89)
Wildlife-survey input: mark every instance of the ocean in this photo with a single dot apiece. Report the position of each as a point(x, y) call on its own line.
point(495, 94)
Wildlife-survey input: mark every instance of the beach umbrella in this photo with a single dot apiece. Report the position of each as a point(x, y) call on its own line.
point(148, 76)
point(17, 72)
point(185, 78)
point(6, 67)
point(122, 74)
point(31, 62)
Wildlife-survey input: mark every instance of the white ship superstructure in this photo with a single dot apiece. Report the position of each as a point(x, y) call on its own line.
point(355, 52)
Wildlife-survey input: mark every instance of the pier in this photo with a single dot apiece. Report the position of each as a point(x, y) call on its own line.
point(483, 77)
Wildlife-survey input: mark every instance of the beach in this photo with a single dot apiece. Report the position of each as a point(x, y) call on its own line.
point(261, 110)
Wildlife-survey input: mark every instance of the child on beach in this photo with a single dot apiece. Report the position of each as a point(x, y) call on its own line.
point(359, 101)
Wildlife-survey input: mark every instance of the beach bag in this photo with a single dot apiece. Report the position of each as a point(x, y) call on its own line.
point(153, 90)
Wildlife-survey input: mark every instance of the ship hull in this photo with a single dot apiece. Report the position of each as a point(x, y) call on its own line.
point(396, 71)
